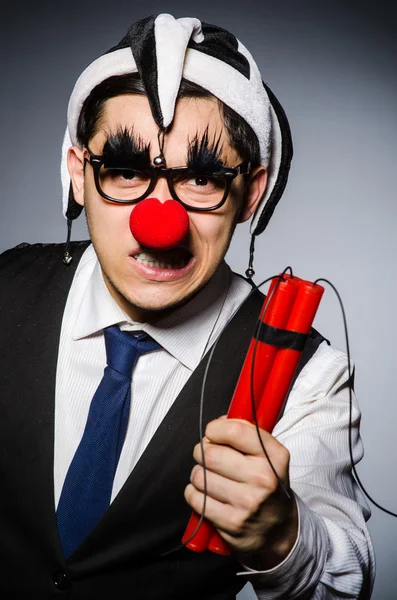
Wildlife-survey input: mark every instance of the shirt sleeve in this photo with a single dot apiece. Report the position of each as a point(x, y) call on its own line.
point(333, 556)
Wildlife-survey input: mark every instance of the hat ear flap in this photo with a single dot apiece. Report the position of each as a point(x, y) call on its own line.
point(73, 209)
point(282, 148)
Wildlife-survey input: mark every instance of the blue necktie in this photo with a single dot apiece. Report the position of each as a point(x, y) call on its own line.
point(88, 484)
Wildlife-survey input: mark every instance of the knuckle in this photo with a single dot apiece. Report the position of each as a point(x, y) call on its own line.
point(209, 429)
point(284, 456)
point(196, 477)
point(193, 498)
point(236, 429)
point(265, 475)
point(188, 492)
point(273, 485)
point(252, 501)
point(200, 452)
point(211, 456)
point(197, 452)
point(262, 479)
point(236, 522)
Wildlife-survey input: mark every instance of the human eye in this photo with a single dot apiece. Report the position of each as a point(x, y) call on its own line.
point(203, 183)
point(123, 183)
point(125, 177)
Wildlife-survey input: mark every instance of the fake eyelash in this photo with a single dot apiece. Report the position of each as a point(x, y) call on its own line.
point(122, 148)
point(205, 156)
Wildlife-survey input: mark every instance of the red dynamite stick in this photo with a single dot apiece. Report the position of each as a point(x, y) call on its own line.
point(276, 315)
point(275, 312)
point(284, 366)
point(280, 378)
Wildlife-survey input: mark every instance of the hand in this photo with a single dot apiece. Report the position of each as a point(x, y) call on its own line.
point(245, 501)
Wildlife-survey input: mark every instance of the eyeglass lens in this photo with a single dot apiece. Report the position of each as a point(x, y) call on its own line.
point(196, 190)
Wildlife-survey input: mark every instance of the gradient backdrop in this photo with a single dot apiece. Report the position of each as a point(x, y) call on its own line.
point(333, 67)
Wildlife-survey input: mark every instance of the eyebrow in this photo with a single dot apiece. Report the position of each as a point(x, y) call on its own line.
point(124, 149)
point(203, 155)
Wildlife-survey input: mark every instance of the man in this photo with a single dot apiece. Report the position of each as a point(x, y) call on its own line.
point(172, 140)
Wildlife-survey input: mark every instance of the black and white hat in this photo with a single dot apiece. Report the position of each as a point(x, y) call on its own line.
point(162, 50)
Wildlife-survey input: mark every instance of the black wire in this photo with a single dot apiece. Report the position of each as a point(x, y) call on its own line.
point(389, 512)
point(201, 434)
point(250, 270)
point(67, 258)
point(183, 544)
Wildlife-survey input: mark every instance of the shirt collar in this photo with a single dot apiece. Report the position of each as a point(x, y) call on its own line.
point(185, 332)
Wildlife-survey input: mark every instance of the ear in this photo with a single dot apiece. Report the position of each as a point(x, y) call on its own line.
point(254, 192)
point(76, 172)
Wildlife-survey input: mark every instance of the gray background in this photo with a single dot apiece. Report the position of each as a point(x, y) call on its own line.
point(333, 67)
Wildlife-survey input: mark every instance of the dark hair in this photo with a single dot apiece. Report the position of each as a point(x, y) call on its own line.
point(241, 135)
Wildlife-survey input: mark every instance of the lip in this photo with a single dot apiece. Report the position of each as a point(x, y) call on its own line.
point(159, 274)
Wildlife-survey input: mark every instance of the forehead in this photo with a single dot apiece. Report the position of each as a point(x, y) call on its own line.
point(192, 117)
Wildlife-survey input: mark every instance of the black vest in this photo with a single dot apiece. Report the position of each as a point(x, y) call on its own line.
point(124, 557)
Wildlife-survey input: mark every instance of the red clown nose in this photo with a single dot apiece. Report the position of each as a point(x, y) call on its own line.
point(160, 225)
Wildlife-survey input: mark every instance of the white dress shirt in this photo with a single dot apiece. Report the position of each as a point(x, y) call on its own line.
point(333, 548)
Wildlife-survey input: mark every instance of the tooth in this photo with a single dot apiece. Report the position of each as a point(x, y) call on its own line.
point(151, 260)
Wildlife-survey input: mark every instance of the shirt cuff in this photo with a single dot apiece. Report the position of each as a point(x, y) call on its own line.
point(304, 565)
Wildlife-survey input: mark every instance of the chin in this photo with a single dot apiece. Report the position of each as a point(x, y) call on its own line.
point(161, 304)
point(141, 297)
point(144, 306)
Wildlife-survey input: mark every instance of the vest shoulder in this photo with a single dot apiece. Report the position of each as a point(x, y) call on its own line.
point(31, 273)
point(37, 256)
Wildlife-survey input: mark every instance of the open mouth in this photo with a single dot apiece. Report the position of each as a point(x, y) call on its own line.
point(174, 259)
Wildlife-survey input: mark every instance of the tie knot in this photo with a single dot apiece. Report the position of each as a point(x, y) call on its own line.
point(123, 349)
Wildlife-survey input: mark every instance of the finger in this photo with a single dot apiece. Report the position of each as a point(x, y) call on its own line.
point(222, 515)
point(223, 460)
point(236, 440)
point(239, 532)
point(218, 487)
point(242, 468)
point(248, 498)
point(242, 436)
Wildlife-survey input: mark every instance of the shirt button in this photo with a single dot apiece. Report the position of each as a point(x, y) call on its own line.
point(61, 581)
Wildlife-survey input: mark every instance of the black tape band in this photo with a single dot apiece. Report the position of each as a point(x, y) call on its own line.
point(282, 338)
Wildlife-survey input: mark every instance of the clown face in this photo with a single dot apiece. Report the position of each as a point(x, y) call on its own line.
point(145, 281)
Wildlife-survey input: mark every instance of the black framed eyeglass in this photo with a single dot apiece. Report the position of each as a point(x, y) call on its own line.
point(197, 192)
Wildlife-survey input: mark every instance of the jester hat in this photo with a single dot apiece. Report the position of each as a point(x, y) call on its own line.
point(162, 50)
